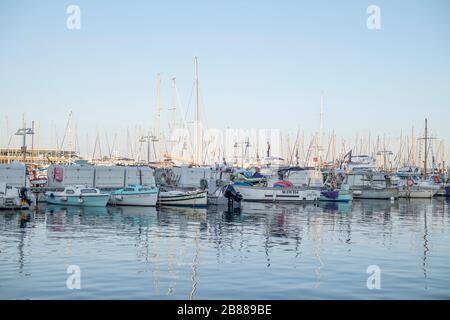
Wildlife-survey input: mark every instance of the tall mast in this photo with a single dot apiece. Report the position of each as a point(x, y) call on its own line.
point(426, 148)
point(174, 103)
point(413, 148)
point(32, 142)
point(158, 104)
point(197, 115)
point(320, 129)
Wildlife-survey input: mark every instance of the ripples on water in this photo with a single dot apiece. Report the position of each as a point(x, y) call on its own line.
point(265, 252)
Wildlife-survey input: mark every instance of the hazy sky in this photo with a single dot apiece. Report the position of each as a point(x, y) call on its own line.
point(263, 64)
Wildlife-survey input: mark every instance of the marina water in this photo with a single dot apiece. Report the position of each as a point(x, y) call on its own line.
point(267, 251)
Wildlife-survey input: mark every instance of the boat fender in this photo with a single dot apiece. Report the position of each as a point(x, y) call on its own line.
point(80, 200)
point(64, 199)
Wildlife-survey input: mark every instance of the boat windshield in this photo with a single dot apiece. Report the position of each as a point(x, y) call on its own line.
point(145, 189)
point(128, 189)
point(88, 191)
point(70, 191)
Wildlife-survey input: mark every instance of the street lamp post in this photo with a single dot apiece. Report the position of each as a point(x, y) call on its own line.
point(148, 139)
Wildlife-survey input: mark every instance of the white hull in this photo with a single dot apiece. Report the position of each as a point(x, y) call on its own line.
point(268, 194)
point(144, 200)
point(187, 199)
point(12, 204)
point(417, 193)
point(372, 193)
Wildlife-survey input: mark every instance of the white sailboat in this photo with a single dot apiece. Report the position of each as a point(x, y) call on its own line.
point(411, 185)
point(413, 182)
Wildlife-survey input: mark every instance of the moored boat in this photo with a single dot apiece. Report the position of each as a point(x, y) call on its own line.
point(292, 184)
point(78, 196)
point(417, 192)
point(195, 198)
point(135, 195)
point(368, 183)
point(14, 198)
point(277, 194)
point(334, 188)
point(412, 185)
point(370, 192)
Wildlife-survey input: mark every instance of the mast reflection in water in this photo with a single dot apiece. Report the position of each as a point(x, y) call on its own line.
point(265, 252)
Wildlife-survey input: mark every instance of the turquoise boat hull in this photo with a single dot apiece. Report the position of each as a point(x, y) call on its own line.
point(86, 201)
point(336, 196)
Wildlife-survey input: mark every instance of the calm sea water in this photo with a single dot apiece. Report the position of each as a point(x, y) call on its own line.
point(265, 252)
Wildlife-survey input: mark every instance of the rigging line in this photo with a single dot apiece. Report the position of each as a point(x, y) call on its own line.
point(294, 147)
point(202, 104)
point(189, 102)
point(180, 105)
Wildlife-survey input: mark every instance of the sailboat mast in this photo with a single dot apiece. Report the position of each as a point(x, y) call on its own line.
point(174, 103)
point(413, 148)
point(158, 105)
point(197, 114)
point(426, 148)
point(319, 140)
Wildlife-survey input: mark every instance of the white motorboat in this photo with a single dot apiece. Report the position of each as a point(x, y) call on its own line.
point(277, 194)
point(78, 196)
point(303, 185)
point(135, 195)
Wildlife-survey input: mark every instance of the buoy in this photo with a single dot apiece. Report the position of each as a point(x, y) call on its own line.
point(410, 182)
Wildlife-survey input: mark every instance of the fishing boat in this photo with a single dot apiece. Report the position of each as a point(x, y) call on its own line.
point(78, 196)
point(334, 189)
point(339, 195)
point(14, 198)
point(194, 198)
point(135, 195)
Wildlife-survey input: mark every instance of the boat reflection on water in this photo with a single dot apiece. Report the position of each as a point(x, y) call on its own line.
point(74, 210)
point(182, 214)
point(341, 207)
point(198, 253)
point(134, 216)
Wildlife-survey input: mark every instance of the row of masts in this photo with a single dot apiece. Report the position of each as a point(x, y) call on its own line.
point(248, 148)
point(390, 153)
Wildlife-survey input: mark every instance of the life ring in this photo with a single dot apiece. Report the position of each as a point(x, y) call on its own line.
point(410, 182)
